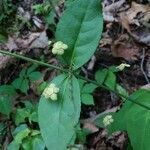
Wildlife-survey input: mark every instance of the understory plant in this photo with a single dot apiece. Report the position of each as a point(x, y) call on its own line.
point(78, 34)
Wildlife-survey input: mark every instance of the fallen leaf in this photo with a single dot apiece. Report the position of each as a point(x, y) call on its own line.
point(147, 87)
point(90, 126)
point(6, 60)
point(11, 45)
point(131, 16)
point(123, 48)
point(136, 21)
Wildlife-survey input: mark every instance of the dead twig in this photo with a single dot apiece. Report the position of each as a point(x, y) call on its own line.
point(142, 69)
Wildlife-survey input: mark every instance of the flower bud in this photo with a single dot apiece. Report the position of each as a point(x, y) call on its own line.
point(122, 66)
point(59, 47)
point(51, 92)
point(108, 120)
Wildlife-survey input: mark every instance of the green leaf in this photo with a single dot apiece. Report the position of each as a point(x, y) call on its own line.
point(24, 86)
point(22, 135)
point(57, 119)
point(135, 120)
point(87, 99)
point(110, 80)
point(41, 87)
point(35, 132)
point(31, 69)
point(50, 18)
point(19, 134)
point(3, 37)
point(20, 128)
point(3, 130)
point(81, 83)
point(17, 83)
point(68, 2)
point(80, 28)
point(113, 69)
point(33, 143)
point(21, 84)
point(23, 73)
point(89, 88)
point(7, 90)
point(38, 144)
point(27, 144)
point(29, 111)
point(35, 76)
point(13, 146)
point(5, 105)
point(33, 117)
point(21, 114)
point(101, 75)
point(122, 91)
point(81, 135)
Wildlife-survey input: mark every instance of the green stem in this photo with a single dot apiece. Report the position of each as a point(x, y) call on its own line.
point(33, 61)
point(106, 88)
point(66, 71)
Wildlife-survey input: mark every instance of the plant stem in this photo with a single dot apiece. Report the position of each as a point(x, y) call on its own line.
point(66, 71)
point(33, 61)
point(106, 88)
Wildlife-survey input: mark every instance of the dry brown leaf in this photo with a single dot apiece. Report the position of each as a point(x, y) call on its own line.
point(142, 35)
point(90, 126)
point(110, 10)
point(147, 87)
point(105, 41)
point(136, 21)
point(124, 48)
point(6, 60)
point(131, 15)
point(34, 40)
point(11, 45)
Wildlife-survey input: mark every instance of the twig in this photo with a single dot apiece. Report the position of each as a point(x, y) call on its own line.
point(32, 60)
point(142, 63)
point(106, 88)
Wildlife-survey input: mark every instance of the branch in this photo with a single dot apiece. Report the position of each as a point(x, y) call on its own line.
point(32, 60)
point(78, 76)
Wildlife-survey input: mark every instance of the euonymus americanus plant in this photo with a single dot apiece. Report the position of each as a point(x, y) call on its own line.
point(80, 28)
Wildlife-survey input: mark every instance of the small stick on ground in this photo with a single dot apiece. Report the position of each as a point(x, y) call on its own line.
point(142, 63)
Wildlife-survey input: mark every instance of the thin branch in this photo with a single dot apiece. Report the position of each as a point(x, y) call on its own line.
point(78, 76)
point(142, 63)
point(106, 88)
point(32, 60)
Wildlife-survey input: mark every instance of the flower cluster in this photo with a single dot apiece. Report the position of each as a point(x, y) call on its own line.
point(108, 120)
point(59, 47)
point(122, 66)
point(51, 92)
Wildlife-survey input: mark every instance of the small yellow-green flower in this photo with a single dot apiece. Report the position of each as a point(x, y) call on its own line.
point(59, 47)
point(122, 66)
point(108, 120)
point(49, 43)
point(51, 92)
